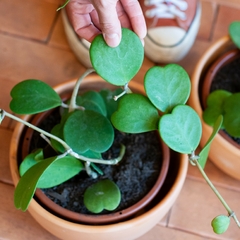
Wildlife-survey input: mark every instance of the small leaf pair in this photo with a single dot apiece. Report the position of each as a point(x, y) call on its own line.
point(221, 102)
point(43, 173)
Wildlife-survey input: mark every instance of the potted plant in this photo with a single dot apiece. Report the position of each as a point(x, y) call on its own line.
point(163, 109)
point(224, 152)
point(41, 169)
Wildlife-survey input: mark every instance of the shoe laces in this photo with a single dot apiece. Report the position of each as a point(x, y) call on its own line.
point(166, 8)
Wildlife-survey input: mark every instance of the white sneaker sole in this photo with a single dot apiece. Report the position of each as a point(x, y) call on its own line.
point(80, 47)
point(162, 54)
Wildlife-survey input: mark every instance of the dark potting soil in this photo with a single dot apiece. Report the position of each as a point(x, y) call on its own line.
point(135, 174)
point(228, 78)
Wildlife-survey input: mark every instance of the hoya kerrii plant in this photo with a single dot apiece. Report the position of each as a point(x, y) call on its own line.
point(225, 103)
point(163, 109)
point(85, 130)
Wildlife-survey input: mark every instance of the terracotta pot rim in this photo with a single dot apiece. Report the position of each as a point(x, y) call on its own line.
point(222, 61)
point(222, 153)
point(207, 58)
point(112, 216)
point(36, 208)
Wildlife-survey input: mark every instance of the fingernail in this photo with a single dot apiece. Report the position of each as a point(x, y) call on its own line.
point(112, 40)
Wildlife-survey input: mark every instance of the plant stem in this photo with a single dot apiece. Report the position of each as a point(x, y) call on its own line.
point(125, 90)
point(229, 210)
point(64, 5)
point(64, 144)
point(72, 105)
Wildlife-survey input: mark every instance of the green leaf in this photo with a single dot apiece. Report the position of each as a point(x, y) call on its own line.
point(231, 118)
point(181, 130)
point(28, 183)
point(60, 171)
point(88, 130)
point(46, 173)
point(30, 160)
point(215, 103)
point(108, 97)
point(57, 130)
point(92, 100)
point(205, 150)
point(33, 96)
point(220, 224)
point(92, 154)
point(135, 114)
point(104, 194)
point(234, 31)
point(120, 64)
point(167, 86)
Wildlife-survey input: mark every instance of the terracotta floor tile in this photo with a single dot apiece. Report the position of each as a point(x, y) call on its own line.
point(191, 59)
point(163, 233)
point(23, 59)
point(207, 17)
point(232, 3)
point(33, 19)
point(218, 177)
point(16, 224)
point(225, 16)
point(197, 206)
point(5, 137)
point(58, 37)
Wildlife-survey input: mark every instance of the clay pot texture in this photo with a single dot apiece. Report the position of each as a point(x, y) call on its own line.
point(131, 228)
point(223, 153)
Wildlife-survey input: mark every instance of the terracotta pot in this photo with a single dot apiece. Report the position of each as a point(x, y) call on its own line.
point(91, 218)
point(223, 153)
point(131, 228)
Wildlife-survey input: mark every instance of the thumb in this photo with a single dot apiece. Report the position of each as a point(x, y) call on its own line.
point(109, 21)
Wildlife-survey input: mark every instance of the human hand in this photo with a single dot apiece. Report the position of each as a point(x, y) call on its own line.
point(92, 17)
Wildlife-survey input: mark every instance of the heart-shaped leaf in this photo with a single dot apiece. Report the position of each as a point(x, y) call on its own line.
point(92, 100)
point(167, 86)
point(30, 160)
point(104, 194)
point(231, 118)
point(33, 96)
point(120, 64)
point(203, 155)
point(220, 224)
point(135, 114)
point(44, 174)
point(215, 102)
point(181, 130)
point(28, 183)
point(88, 130)
point(234, 32)
point(60, 171)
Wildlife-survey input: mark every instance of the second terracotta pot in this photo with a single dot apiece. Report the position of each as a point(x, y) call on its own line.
point(223, 153)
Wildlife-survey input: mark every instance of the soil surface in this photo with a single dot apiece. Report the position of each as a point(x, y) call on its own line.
point(228, 78)
point(135, 174)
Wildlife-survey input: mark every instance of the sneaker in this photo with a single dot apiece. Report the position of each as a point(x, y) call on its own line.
point(172, 28)
point(79, 46)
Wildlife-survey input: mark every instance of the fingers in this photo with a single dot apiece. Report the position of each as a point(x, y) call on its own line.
point(91, 17)
point(136, 18)
point(79, 16)
point(109, 21)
